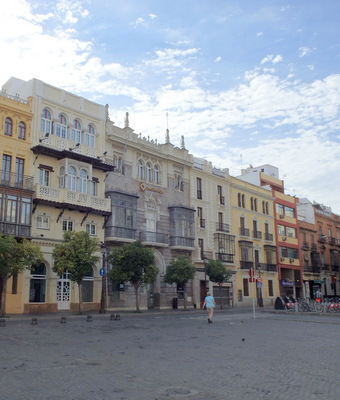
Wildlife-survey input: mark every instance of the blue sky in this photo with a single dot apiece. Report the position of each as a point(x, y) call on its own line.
point(245, 82)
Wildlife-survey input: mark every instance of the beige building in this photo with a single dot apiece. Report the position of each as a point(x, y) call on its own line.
point(210, 197)
point(69, 169)
point(253, 224)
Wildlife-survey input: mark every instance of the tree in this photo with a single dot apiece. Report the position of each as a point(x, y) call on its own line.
point(76, 255)
point(15, 256)
point(180, 271)
point(133, 263)
point(218, 273)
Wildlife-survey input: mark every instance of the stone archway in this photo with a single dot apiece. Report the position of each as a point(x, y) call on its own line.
point(154, 289)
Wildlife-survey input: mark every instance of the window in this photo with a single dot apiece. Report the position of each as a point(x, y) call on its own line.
point(140, 168)
point(253, 203)
point(14, 283)
point(156, 174)
point(240, 200)
point(61, 127)
point(77, 135)
point(279, 209)
point(62, 178)
point(148, 174)
point(19, 171)
point(87, 287)
point(91, 229)
point(44, 177)
point(38, 284)
point(83, 181)
point(201, 247)
point(270, 288)
point(22, 131)
point(6, 168)
point(46, 121)
point(179, 182)
point(67, 226)
point(71, 179)
point(25, 217)
point(281, 230)
point(43, 222)
point(245, 287)
point(291, 232)
point(8, 127)
point(289, 212)
point(93, 188)
point(90, 136)
point(11, 212)
point(199, 188)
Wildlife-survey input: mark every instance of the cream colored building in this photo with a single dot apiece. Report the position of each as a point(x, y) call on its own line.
point(210, 196)
point(253, 224)
point(69, 168)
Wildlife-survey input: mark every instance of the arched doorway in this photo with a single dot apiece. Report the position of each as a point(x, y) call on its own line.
point(154, 288)
point(64, 291)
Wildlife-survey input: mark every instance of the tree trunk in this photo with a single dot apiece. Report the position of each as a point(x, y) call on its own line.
point(81, 306)
point(3, 296)
point(221, 305)
point(137, 299)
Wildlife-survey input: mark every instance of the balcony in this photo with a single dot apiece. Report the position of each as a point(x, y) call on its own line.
point(269, 267)
point(16, 181)
point(332, 241)
point(227, 258)
point(221, 200)
point(314, 247)
point(222, 227)
point(246, 264)
point(269, 237)
point(78, 200)
point(181, 242)
point(335, 268)
point(315, 269)
point(155, 238)
point(18, 230)
point(257, 235)
point(206, 255)
point(119, 234)
point(244, 232)
point(201, 222)
point(324, 267)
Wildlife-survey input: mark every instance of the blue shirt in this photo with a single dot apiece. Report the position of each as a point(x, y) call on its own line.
point(209, 301)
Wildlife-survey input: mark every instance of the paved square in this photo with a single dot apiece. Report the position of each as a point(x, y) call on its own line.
point(171, 355)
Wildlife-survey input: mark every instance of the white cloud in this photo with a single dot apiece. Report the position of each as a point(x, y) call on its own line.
point(218, 59)
point(304, 51)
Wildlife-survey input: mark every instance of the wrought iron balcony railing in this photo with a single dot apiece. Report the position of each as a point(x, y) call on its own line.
point(17, 181)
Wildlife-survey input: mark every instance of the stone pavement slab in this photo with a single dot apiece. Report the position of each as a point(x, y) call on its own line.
point(174, 356)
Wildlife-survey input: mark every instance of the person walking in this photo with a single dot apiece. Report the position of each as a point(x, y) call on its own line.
point(209, 302)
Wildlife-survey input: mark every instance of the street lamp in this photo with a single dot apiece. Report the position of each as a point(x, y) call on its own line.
point(205, 262)
point(260, 299)
point(103, 273)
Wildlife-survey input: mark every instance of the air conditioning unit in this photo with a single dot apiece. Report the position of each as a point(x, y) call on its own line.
point(282, 259)
point(282, 216)
point(284, 238)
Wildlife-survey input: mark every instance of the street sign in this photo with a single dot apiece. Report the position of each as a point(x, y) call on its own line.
point(259, 285)
point(102, 271)
point(259, 279)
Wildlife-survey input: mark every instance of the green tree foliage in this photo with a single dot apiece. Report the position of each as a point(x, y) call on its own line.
point(133, 263)
point(218, 273)
point(15, 256)
point(180, 271)
point(76, 255)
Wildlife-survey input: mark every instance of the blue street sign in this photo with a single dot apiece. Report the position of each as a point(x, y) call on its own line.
point(102, 271)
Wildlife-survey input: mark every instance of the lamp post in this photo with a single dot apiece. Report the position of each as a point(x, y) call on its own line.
point(103, 273)
point(205, 262)
point(260, 299)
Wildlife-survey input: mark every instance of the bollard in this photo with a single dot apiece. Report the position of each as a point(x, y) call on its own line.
point(34, 321)
point(117, 317)
point(112, 317)
point(2, 322)
point(89, 318)
point(63, 320)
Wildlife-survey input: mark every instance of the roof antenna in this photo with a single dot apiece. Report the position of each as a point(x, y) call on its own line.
point(167, 136)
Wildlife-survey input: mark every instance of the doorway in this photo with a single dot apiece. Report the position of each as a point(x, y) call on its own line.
point(63, 291)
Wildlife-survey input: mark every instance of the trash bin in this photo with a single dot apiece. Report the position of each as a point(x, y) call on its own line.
point(175, 303)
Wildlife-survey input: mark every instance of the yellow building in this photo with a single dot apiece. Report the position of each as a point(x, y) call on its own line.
point(16, 185)
point(69, 168)
point(253, 225)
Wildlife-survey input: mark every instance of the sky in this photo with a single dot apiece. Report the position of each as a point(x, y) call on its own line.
point(245, 82)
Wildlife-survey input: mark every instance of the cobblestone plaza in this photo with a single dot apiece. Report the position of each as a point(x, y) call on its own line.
point(171, 355)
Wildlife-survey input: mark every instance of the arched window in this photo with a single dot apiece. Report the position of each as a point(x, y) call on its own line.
point(87, 287)
point(148, 174)
point(61, 127)
point(62, 178)
point(71, 179)
point(22, 131)
point(8, 127)
point(83, 181)
point(46, 121)
point(140, 168)
point(156, 174)
point(38, 283)
point(90, 136)
point(76, 132)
